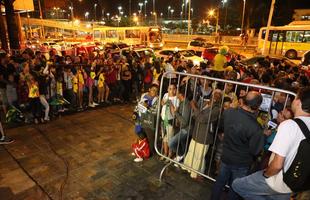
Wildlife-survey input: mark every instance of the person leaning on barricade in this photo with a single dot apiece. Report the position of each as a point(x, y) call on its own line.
point(177, 144)
point(202, 134)
point(168, 118)
point(145, 115)
point(243, 140)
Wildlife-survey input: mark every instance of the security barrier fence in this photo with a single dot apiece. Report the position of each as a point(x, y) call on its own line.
point(197, 145)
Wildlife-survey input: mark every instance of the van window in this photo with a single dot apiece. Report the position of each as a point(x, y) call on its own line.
point(195, 44)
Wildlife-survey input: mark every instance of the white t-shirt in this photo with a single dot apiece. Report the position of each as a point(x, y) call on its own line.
point(169, 68)
point(175, 102)
point(285, 144)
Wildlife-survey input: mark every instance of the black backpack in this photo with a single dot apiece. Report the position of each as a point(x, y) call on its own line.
point(297, 177)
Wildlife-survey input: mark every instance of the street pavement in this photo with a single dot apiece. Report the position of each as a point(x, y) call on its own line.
point(87, 156)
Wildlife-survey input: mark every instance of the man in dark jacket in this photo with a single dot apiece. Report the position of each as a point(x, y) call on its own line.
point(243, 140)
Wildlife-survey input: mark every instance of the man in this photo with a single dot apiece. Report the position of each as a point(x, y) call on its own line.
point(268, 183)
point(219, 63)
point(177, 143)
point(243, 140)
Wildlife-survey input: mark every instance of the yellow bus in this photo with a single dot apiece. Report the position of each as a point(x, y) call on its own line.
point(291, 41)
point(148, 36)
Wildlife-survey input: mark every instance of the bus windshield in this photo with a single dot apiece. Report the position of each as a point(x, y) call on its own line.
point(155, 36)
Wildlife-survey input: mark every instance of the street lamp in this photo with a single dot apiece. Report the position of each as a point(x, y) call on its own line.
point(225, 3)
point(243, 12)
point(86, 15)
point(172, 11)
point(182, 10)
point(169, 7)
point(140, 5)
point(145, 2)
point(212, 14)
point(95, 6)
point(71, 9)
point(119, 9)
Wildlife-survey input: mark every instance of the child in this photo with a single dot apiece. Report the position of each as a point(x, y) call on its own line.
point(80, 83)
point(141, 149)
point(167, 118)
point(34, 97)
point(101, 85)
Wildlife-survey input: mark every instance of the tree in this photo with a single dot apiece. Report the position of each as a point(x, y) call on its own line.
point(12, 26)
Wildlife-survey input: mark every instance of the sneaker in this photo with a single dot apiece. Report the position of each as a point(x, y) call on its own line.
point(47, 119)
point(91, 105)
point(95, 104)
point(178, 158)
point(6, 140)
point(138, 159)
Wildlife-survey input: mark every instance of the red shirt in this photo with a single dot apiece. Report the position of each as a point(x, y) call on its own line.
point(141, 149)
point(111, 77)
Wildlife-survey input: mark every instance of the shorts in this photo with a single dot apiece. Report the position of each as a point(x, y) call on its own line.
point(167, 133)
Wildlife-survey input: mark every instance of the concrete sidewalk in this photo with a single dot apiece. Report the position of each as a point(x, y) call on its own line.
point(96, 147)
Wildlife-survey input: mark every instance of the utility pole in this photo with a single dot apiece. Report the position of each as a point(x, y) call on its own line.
point(243, 13)
point(12, 26)
point(268, 26)
point(189, 18)
point(41, 18)
point(217, 20)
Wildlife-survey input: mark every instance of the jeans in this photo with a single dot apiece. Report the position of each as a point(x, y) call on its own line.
point(177, 143)
point(255, 187)
point(46, 106)
point(228, 173)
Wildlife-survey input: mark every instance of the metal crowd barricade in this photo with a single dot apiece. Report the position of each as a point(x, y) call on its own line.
point(269, 96)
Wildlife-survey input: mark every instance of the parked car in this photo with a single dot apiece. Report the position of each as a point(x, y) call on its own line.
point(254, 61)
point(198, 45)
point(115, 46)
point(183, 54)
point(137, 53)
point(210, 53)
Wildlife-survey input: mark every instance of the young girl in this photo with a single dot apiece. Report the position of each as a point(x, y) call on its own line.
point(167, 117)
point(141, 149)
point(80, 84)
point(34, 98)
point(90, 84)
point(101, 85)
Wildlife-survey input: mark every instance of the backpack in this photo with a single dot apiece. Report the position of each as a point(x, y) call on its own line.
point(297, 177)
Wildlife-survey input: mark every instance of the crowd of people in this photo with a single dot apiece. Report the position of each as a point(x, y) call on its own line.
point(198, 114)
point(193, 110)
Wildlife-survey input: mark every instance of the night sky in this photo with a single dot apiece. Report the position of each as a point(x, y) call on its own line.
point(254, 8)
point(161, 5)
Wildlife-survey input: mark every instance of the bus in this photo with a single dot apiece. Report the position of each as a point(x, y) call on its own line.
point(148, 36)
point(291, 41)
